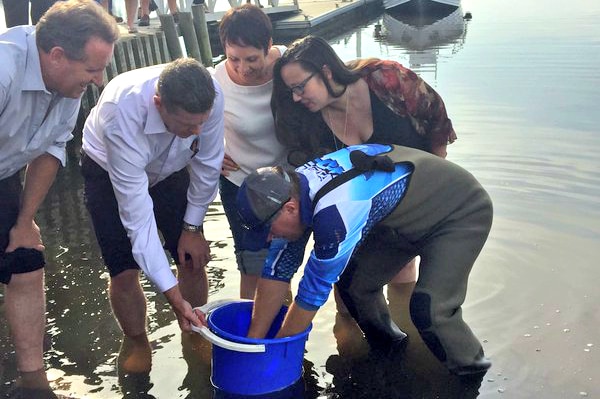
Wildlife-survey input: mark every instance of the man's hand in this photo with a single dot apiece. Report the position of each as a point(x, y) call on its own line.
point(25, 235)
point(196, 246)
point(186, 316)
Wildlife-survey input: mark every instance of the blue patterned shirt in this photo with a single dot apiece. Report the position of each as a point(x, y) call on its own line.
point(339, 221)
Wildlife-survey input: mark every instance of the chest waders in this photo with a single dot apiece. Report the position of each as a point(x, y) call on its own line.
point(383, 334)
point(444, 217)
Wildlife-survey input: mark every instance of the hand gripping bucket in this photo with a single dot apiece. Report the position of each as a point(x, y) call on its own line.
point(249, 366)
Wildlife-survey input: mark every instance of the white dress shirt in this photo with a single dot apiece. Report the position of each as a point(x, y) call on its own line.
point(126, 136)
point(33, 121)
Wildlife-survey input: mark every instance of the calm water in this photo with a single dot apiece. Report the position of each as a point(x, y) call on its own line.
point(521, 84)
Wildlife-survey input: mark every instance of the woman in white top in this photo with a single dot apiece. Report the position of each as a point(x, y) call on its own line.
point(250, 143)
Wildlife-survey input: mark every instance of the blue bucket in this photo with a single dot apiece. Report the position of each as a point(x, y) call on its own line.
point(248, 366)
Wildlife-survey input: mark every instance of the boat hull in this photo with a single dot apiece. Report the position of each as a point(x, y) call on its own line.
point(421, 6)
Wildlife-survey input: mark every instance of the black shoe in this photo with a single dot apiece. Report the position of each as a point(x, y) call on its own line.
point(144, 21)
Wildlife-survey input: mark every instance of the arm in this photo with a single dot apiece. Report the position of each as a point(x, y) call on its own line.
point(296, 321)
point(404, 92)
point(229, 165)
point(281, 264)
point(195, 245)
point(183, 310)
point(128, 152)
point(205, 168)
point(268, 299)
point(39, 176)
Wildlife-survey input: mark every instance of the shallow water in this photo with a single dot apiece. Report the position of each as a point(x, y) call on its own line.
point(520, 82)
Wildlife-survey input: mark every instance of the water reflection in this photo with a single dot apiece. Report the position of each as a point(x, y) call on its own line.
point(521, 90)
point(425, 36)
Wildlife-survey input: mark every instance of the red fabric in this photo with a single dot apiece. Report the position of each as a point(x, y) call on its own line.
point(405, 93)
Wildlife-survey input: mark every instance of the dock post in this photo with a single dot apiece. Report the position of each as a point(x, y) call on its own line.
point(138, 52)
point(202, 34)
point(186, 26)
point(171, 36)
point(162, 48)
point(119, 55)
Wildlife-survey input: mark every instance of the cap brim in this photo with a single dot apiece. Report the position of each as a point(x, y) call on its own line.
point(256, 239)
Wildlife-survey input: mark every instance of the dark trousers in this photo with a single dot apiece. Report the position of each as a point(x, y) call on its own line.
point(447, 257)
point(16, 12)
point(169, 197)
point(249, 262)
point(21, 260)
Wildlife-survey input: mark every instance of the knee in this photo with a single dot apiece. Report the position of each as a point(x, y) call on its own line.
point(26, 280)
point(420, 310)
point(23, 264)
point(188, 271)
point(125, 279)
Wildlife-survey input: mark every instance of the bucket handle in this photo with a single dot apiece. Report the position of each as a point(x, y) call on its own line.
point(215, 339)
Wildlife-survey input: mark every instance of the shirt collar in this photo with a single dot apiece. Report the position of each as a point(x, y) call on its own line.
point(33, 69)
point(154, 123)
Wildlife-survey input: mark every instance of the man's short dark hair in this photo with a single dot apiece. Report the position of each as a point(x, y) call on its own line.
point(246, 25)
point(186, 84)
point(70, 25)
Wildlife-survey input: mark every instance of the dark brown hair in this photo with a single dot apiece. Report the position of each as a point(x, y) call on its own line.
point(246, 25)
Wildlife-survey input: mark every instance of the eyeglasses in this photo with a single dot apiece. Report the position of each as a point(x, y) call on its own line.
point(299, 88)
point(268, 221)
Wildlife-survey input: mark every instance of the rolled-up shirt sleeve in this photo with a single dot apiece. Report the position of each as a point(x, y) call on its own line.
point(205, 166)
point(58, 148)
point(126, 161)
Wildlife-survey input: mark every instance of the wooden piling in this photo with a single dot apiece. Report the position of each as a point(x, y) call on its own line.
point(202, 37)
point(138, 53)
point(162, 47)
point(150, 60)
point(171, 36)
point(186, 26)
point(119, 56)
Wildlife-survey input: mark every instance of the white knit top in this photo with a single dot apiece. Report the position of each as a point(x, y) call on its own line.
point(249, 128)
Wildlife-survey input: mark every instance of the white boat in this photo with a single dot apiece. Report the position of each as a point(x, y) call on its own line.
point(423, 32)
point(420, 5)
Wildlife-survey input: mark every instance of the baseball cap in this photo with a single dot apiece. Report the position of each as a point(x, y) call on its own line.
point(262, 194)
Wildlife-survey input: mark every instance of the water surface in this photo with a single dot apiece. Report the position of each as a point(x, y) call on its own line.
point(520, 81)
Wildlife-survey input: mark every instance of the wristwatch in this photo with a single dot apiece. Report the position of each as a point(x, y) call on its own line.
point(192, 228)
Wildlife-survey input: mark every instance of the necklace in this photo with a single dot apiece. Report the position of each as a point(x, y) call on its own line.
point(335, 137)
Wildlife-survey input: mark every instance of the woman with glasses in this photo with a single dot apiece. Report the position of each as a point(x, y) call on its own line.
point(250, 143)
point(321, 104)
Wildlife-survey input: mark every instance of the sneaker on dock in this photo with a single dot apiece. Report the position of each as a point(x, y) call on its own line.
point(144, 21)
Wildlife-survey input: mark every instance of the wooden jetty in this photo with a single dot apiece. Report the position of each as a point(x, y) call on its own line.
point(161, 41)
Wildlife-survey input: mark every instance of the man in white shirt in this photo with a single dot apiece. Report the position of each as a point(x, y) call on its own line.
point(43, 72)
point(152, 154)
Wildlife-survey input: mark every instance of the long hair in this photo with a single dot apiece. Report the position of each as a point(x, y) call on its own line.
point(297, 128)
